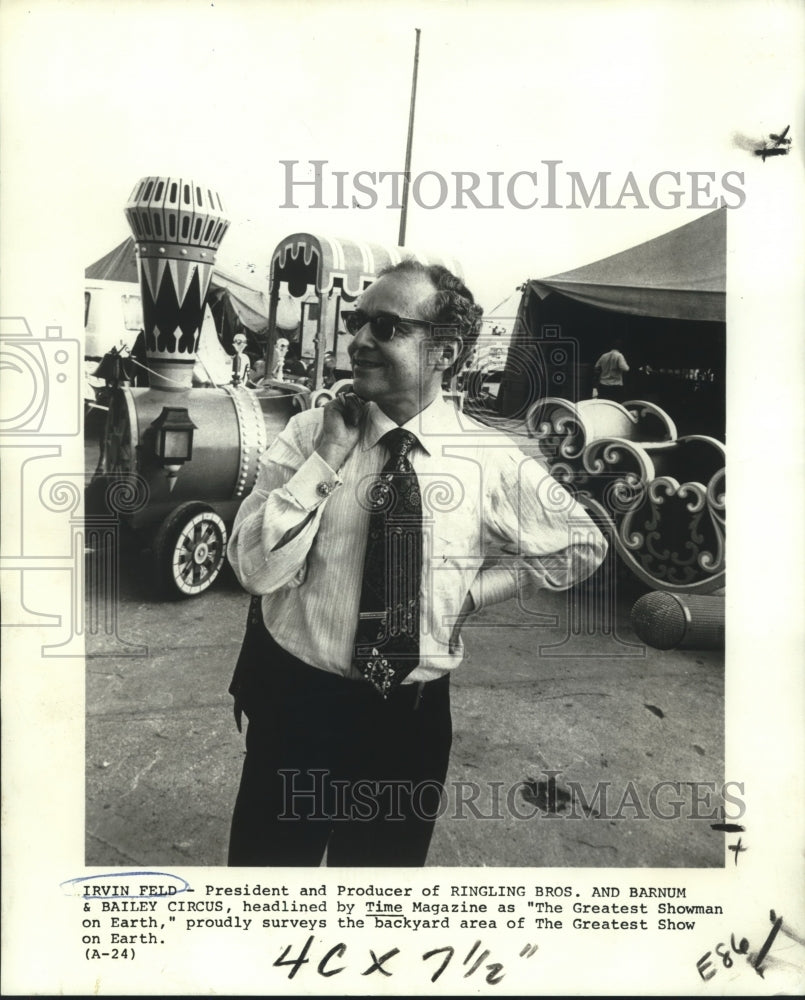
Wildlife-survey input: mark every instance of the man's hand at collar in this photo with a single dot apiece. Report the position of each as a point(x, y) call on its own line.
point(341, 431)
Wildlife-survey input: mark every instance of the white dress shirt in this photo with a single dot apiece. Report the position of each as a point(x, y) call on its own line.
point(479, 491)
point(612, 365)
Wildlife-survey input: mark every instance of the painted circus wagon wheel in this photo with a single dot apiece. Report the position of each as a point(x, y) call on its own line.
point(190, 548)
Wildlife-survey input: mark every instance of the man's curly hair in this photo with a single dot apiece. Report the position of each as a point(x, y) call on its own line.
point(452, 308)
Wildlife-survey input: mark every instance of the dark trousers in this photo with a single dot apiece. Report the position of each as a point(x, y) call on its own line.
point(614, 392)
point(330, 764)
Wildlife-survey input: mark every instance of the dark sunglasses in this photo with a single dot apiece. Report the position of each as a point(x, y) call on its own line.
point(384, 325)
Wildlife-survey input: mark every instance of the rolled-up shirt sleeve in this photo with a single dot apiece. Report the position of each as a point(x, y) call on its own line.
point(547, 540)
point(277, 523)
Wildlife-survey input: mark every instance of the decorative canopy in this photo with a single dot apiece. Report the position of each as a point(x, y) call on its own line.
point(305, 259)
point(679, 275)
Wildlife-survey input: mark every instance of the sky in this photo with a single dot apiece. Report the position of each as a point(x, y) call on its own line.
point(97, 95)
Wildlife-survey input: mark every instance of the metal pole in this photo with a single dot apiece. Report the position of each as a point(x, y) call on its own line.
point(407, 176)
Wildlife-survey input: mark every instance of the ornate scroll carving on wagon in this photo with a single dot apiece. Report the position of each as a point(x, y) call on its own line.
point(662, 497)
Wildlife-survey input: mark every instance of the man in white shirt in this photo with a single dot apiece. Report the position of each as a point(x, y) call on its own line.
point(610, 368)
point(348, 743)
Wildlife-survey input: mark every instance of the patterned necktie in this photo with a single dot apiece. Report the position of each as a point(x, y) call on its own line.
point(387, 638)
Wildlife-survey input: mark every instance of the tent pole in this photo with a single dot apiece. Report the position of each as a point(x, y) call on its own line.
point(409, 145)
point(273, 301)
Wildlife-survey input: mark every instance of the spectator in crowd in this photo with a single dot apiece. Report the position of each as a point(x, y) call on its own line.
point(329, 375)
point(293, 370)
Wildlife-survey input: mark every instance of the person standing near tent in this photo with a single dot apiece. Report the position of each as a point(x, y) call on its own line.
point(609, 370)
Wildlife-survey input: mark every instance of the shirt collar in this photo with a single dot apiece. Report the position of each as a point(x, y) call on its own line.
point(437, 419)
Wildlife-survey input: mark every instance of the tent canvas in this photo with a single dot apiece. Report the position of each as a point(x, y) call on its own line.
point(679, 275)
point(666, 298)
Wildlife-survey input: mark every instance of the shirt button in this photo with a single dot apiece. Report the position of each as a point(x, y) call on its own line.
point(325, 489)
